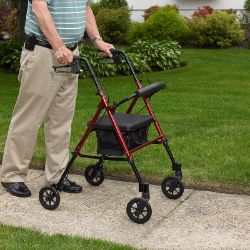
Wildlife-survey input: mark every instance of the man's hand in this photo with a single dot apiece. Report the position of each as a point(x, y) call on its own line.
point(64, 55)
point(104, 47)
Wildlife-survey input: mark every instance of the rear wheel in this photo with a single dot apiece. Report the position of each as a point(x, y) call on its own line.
point(94, 175)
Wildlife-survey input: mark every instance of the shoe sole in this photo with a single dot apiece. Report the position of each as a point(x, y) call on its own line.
point(72, 192)
point(18, 195)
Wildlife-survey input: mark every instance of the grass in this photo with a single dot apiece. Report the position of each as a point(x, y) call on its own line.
point(20, 238)
point(204, 112)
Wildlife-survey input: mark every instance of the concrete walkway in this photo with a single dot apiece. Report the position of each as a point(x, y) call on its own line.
point(198, 220)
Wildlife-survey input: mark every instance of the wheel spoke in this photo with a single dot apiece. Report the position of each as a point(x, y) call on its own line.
point(133, 210)
point(136, 215)
point(135, 207)
point(140, 217)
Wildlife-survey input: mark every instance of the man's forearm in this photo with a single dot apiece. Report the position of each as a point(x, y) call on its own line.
point(91, 26)
point(46, 24)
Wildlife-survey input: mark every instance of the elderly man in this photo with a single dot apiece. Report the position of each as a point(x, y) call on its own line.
point(53, 28)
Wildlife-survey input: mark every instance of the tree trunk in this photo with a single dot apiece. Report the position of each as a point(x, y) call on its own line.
point(21, 16)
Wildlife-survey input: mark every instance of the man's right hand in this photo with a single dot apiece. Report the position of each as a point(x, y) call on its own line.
point(64, 55)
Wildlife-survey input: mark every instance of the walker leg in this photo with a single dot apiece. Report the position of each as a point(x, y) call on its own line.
point(143, 187)
point(66, 171)
point(175, 165)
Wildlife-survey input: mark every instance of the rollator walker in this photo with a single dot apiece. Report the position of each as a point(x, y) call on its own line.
point(119, 134)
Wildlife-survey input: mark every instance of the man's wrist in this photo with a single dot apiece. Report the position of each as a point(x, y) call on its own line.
point(96, 38)
point(59, 49)
point(57, 45)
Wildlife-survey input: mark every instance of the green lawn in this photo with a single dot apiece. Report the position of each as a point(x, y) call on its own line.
point(20, 238)
point(204, 112)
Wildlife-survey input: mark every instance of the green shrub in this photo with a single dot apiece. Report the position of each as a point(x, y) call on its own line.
point(247, 5)
point(96, 8)
point(114, 24)
point(108, 4)
point(10, 52)
point(165, 24)
point(139, 62)
point(113, 4)
point(160, 55)
point(144, 55)
point(106, 70)
point(219, 29)
point(136, 32)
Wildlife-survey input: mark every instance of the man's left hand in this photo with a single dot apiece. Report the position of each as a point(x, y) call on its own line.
point(104, 47)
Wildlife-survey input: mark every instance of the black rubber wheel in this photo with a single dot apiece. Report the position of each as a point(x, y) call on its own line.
point(139, 210)
point(94, 175)
point(172, 187)
point(49, 198)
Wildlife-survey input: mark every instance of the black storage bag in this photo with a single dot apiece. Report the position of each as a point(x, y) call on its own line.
point(136, 132)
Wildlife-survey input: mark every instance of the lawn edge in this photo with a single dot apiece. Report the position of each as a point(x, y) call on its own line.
point(157, 180)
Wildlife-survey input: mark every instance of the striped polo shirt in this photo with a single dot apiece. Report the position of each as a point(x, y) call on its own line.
point(69, 18)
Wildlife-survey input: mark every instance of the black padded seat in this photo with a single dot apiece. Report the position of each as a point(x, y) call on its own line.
point(126, 122)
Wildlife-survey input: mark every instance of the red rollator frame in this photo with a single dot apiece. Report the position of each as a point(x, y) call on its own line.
point(138, 209)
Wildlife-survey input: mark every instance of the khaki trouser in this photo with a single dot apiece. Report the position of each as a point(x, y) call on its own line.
point(43, 96)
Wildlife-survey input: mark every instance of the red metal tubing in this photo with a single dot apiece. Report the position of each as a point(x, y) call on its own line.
point(157, 125)
point(132, 105)
point(145, 144)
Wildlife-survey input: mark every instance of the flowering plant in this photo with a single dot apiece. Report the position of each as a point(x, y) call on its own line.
point(204, 11)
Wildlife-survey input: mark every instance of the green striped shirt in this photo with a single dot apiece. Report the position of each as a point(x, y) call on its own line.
point(69, 18)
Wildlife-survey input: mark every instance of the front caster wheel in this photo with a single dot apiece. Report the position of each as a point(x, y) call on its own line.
point(139, 210)
point(49, 198)
point(94, 175)
point(172, 187)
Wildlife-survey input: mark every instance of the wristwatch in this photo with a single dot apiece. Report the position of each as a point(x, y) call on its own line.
point(96, 38)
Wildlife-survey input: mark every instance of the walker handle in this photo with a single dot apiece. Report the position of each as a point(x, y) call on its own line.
point(116, 57)
point(75, 67)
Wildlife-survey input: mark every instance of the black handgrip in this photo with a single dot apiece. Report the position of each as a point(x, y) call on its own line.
point(150, 89)
point(75, 66)
point(116, 57)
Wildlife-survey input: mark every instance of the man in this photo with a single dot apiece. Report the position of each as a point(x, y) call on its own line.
point(54, 28)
